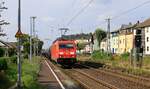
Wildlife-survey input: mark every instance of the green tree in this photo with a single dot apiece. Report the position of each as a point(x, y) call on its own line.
point(26, 44)
point(100, 35)
point(80, 46)
point(40, 45)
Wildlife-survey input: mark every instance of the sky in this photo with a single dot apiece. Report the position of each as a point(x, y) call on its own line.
point(54, 14)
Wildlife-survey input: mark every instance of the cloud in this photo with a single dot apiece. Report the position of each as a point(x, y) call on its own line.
point(48, 19)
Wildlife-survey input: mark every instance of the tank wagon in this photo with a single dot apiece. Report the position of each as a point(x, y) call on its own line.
point(63, 52)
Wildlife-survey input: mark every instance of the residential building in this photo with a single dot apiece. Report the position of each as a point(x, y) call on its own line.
point(126, 38)
point(114, 42)
point(122, 39)
point(145, 31)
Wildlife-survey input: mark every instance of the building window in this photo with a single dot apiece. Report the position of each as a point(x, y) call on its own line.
point(147, 39)
point(123, 40)
point(147, 30)
point(147, 48)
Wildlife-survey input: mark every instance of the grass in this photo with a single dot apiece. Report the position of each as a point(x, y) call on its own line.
point(98, 55)
point(30, 72)
point(121, 61)
point(146, 63)
point(112, 60)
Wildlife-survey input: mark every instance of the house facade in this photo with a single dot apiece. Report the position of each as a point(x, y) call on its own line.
point(129, 43)
point(129, 37)
point(122, 39)
point(145, 31)
point(147, 40)
point(121, 43)
point(114, 42)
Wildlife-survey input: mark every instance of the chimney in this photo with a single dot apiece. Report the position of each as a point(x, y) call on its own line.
point(130, 23)
point(138, 22)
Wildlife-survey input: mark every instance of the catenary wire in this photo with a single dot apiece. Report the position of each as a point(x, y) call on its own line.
point(80, 12)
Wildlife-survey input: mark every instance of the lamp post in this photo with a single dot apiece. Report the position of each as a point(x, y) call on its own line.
point(30, 38)
point(18, 36)
point(34, 33)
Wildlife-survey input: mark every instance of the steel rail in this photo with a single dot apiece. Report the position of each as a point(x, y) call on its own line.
point(98, 81)
point(130, 78)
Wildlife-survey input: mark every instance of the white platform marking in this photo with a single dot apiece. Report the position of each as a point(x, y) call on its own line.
point(55, 75)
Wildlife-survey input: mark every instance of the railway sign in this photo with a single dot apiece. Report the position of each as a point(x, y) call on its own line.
point(19, 34)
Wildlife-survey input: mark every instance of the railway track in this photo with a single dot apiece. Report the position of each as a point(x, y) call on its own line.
point(88, 81)
point(120, 73)
point(92, 78)
point(85, 80)
point(64, 81)
point(144, 81)
point(117, 80)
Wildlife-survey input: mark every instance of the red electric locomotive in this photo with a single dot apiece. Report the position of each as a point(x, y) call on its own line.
point(63, 52)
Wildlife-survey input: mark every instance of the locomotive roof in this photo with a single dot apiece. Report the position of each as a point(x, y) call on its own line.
point(61, 39)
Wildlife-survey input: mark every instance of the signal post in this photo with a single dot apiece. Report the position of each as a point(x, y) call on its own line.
point(19, 35)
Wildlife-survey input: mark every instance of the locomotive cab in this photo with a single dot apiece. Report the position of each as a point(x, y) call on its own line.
point(67, 54)
point(64, 52)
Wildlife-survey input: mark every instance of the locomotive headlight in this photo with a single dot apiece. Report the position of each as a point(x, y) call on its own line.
point(72, 53)
point(61, 53)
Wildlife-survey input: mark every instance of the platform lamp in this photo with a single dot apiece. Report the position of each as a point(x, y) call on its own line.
point(19, 35)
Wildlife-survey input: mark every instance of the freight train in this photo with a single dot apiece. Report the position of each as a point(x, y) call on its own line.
point(63, 52)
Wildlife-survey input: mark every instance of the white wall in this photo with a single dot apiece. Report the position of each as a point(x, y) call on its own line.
point(147, 43)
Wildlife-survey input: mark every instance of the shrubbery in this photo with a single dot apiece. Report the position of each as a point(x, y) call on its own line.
point(9, 76)
point(13, 59)
point(101, 55)
point(125, 56)
point(2, 52)
point(3, 64)
point(106, 56)
point(25, 55)
point(4, 81)
point(29, 73)
point(11, 52)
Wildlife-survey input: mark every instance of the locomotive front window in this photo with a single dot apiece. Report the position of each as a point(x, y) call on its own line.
point(61, 46)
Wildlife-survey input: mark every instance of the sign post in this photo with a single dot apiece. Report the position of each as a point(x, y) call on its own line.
point(19, 35)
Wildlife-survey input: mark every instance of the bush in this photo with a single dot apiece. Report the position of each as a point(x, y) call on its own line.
point(28, 80)
point(29, 73)
point(101, 55)
point(4, 81)
point(13, 59)
point(25, 55)
point(11, 52)
point(3, 64)
point(2, 52)
point(125, 56)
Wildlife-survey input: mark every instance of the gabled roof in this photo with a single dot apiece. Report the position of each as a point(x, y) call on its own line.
point(126, 26)
point(6, 44)
point(12, 44)
point(144, 24)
